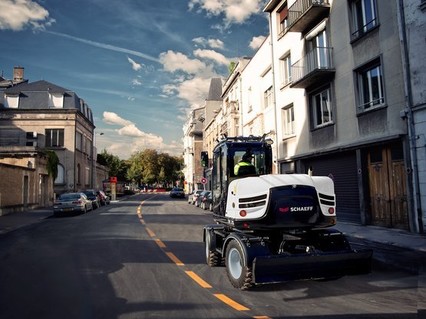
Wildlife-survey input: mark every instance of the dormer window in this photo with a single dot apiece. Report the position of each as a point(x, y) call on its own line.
point(56, 100)
point(12, 101)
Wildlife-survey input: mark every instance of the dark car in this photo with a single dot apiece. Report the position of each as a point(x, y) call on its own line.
point(207, 202)
point(94, 197)
point(201, 197)
point(192, 198)
point(103, 198)
point(69, 203)
point(177, 192)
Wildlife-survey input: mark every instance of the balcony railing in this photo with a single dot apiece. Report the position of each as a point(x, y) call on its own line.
point(314, 66)
point(304, 14)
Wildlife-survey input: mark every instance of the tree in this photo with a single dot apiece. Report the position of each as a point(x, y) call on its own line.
point(52, 163)
point(116, 166)
point(151, 167)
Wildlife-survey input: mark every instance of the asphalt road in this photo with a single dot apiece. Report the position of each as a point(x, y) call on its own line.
point(144, 258)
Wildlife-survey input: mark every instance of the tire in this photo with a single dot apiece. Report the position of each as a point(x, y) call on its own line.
point(239, 274)
point(213, 258)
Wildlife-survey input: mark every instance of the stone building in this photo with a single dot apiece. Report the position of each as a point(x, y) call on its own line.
point(41, 115)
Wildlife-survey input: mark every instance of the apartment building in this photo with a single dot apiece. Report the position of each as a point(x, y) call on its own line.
point(193, 146)
point(412, 16)
point(347, 61)
point(41, 115)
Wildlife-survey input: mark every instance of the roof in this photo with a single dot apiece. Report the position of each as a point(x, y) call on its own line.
point(38, 86)
point(215, 90)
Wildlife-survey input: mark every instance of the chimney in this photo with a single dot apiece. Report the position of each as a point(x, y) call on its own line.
point(18, 74)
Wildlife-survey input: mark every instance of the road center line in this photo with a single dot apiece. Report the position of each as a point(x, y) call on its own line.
point(197, 279)
point(231, 302)
point(225, 299)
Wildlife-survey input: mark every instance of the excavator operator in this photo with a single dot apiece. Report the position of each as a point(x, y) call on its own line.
point(245, 166)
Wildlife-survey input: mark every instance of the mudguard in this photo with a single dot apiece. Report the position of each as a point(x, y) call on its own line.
point(278, 268)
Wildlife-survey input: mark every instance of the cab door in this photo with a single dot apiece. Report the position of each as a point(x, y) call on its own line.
point(219, 181)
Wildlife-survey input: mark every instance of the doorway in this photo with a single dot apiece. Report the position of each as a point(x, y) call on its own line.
point(388, 186)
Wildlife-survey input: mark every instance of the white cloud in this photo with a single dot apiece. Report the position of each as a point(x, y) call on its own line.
point(105, 46)
point(234, 11)
point(194, 90)
point(135, 66)
point(114, 119)
point(174, 61)
point(212, 43)
point(136, 82)
point(18, 14)
point(256, 42)
point(211, 55)
point(129, 139)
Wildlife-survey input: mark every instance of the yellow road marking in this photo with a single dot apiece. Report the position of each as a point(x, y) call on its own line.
point(197, 279)
point(150, 232)
point(174, 259)
point(160, 243)
point(193, 275)
point(231, 302)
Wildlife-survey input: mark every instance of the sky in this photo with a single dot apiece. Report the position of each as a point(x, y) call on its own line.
point(140, 65)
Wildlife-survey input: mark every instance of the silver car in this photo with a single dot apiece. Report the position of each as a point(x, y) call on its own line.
point(69, 203)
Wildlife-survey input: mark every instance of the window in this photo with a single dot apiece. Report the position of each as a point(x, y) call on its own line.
point(319, 54)
point(285, 70)
point(60, 179)
point(78, 174)
point(364, 17)
point(370, 86)
point(249, 100)
point(56, 100)
point(268, 97)
point(288, 120)
point(282, 15)
point(321, 108)
point(79, 141)
point(54, 137)
point(12, 101)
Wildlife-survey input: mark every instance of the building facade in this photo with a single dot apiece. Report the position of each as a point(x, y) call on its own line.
point(338, 92)
point(42, 115)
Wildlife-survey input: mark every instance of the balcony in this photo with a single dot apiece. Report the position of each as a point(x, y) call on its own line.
point(305, 14)
point(316, 66)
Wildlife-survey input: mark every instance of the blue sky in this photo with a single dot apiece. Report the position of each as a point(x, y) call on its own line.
point(141, 65)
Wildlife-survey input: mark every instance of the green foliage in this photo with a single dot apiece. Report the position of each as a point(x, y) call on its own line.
point(116, 166)
point(52, 163)
point(231, 67)
point(151, 167)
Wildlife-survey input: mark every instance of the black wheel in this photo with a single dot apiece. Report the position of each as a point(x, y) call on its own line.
point(213, 258)
point(239, 274)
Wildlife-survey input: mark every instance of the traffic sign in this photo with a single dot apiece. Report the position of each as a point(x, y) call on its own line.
point(203, 180)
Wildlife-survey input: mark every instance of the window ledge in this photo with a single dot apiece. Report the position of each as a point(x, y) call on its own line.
point(317, 128)
point(370, 110)
point(364, 34)
point(288, 137)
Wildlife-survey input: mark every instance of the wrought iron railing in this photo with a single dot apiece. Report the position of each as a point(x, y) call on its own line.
point(300, 7)
point(317, 59)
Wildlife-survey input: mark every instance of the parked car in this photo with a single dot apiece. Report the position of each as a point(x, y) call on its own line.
point(69, 203)
point(104, 198)
point(94, 197)
point(207, 202)
point(177, 192)
point(192, 198)
point(201, 197)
